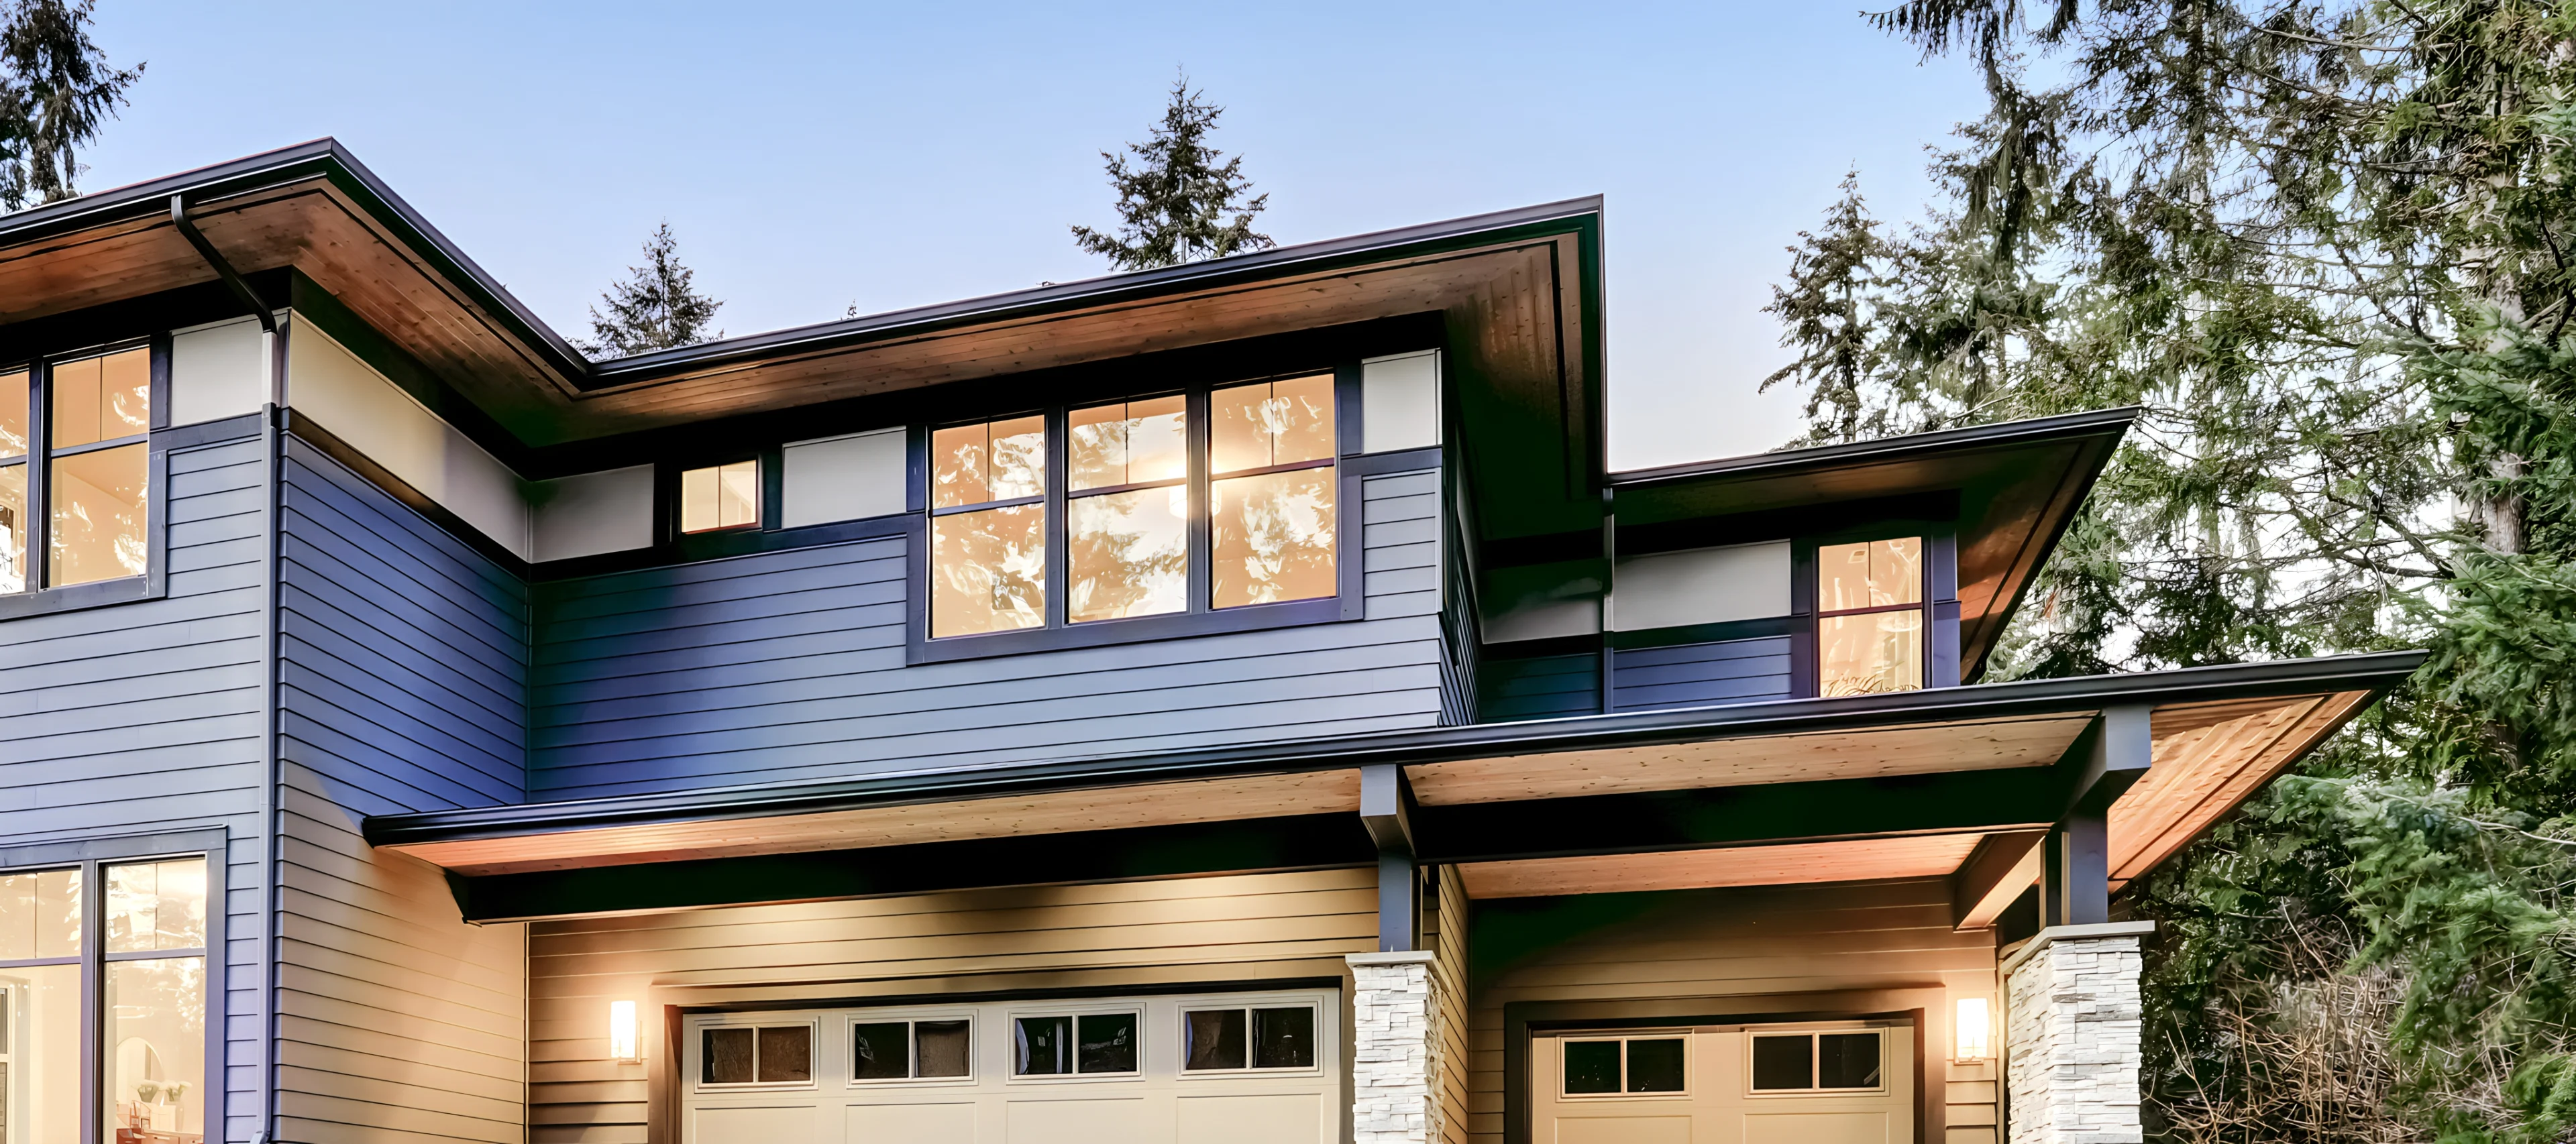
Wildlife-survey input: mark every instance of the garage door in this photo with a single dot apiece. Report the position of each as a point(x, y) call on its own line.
point(1847, 1082)
point(1225, 1068)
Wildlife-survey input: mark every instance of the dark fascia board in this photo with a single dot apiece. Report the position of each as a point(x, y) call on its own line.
point(2369, 673)
point(326, 158)
point(2108, 423)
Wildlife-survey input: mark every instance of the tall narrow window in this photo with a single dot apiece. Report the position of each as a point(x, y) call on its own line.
point(100, 418)
point(13, 488)
point(988, 559)
point(40, 993)
point(720, 496)
point(1127, 509)
point(1869, 617)
point(1270, 503)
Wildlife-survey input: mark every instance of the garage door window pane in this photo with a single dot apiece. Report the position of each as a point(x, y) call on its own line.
point(939, 1048)
point(1043, 1046)
point(1784, 1062)
point(1216, 1039)
point(1655, 1065)
point(1283, 1038)
point(786, 1054)
point(726, 1058)
point(1847, 1060)
point(1108, 1043)
point(878, 1052)
point(1591, 1067)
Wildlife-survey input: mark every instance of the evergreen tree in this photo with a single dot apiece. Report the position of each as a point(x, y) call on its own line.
point(2325, 245)
point(1177, 203)
point(57, 92)
point(656, 308)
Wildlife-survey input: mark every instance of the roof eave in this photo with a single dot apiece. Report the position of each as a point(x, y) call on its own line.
point(2372, 673)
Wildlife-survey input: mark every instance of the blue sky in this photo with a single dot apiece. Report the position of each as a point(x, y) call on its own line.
point(811, 156)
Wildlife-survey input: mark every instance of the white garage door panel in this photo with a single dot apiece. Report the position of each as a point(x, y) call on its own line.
point(1623, 1130)
point(1276, 1119)
point(1077, 1121)
point(1816, 1128)
point(950, 1073)
point(911, 1124)
point(790, 1124)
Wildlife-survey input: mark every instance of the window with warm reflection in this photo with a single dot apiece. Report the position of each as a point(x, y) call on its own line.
point(148, 1001)
point(1870, 621)
point(988, 559)
point(1198, 501)
point(718, 497)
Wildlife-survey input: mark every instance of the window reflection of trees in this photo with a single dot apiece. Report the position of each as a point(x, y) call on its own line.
point(988, 570)
point(1273, 538)
point(1128, 554)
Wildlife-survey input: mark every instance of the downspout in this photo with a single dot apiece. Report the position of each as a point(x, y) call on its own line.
point(272, 414)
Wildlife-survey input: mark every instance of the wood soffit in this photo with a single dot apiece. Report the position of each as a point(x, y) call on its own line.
point(2209, 757)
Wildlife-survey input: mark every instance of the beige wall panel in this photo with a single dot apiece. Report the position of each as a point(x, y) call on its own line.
point(398, 1022)
point(1446, 923)
point(1734, 942)
point(374, 416)
point(217, 370)
point(590, 513)
point(1232, 928)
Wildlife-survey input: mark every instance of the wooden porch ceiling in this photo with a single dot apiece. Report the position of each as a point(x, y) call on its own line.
point(1798, 802)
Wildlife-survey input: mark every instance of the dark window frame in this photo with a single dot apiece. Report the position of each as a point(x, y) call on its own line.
point(666, 498)
point(1348, 601)
point(40, 597)
point(92, 857)
point(1940, 604)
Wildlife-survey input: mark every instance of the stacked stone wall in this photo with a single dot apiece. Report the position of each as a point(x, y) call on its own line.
point(2072, 1028)
point(1394, 1054)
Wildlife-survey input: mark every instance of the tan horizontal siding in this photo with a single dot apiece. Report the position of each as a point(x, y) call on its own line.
point(1735, 942)
point(399, 1023)
point(1238, 928)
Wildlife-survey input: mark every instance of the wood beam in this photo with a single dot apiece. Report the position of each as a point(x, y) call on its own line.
point(1298, 842)
point(2002, 866)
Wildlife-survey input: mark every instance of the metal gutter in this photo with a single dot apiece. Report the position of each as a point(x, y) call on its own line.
point(2372, 673)
point(1912, 446)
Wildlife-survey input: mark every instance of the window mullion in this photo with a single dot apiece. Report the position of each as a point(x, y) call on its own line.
point(1202, 548)
point(1057, 527)
point(40, 475)
point(93, 1007)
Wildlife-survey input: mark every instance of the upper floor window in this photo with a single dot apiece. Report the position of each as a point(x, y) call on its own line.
point(1185, 502)
point(720, 496)
point(74, 464)
point(1870, 617)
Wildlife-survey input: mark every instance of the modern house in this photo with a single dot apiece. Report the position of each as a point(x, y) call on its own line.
point(1232, 703)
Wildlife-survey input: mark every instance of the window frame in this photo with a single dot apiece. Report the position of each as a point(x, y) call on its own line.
point(1074, 1013)
point(1939, 606)
point(1199, 618)
point(694, 1051)
point(41, 597)
point(1815, 1063)
point(91, 858)
point(1690, 1052)
point(1181, 1038)
point(667, 536)
point(911, 1020)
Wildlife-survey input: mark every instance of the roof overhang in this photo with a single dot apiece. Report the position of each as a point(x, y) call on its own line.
point(1516, 292)
point(2018, 484)
point(1757, 775)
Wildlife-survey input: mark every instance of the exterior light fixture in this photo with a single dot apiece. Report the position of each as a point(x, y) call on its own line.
point(1973, 1033)
point(623, 1042)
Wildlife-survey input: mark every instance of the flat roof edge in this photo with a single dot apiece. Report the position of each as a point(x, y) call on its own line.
point(2111, 423)
point(2373, 672)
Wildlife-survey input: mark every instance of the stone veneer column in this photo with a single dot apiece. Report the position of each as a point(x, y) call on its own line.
point(1396, 1050)
point(2071, 1035)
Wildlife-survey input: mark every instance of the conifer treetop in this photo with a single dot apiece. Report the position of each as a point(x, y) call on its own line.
point(1180, 200)
point(656, 308)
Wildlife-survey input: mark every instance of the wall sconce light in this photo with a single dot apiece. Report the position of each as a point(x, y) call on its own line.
point(624, 1042)
point(1973, 1032)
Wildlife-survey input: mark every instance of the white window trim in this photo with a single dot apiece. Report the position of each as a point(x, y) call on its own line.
point(695, 1047)
point(1689, 1055)
point(1011, 1042)
point(1752, 1093)
point(1181, 1069)
point(850, 1023)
